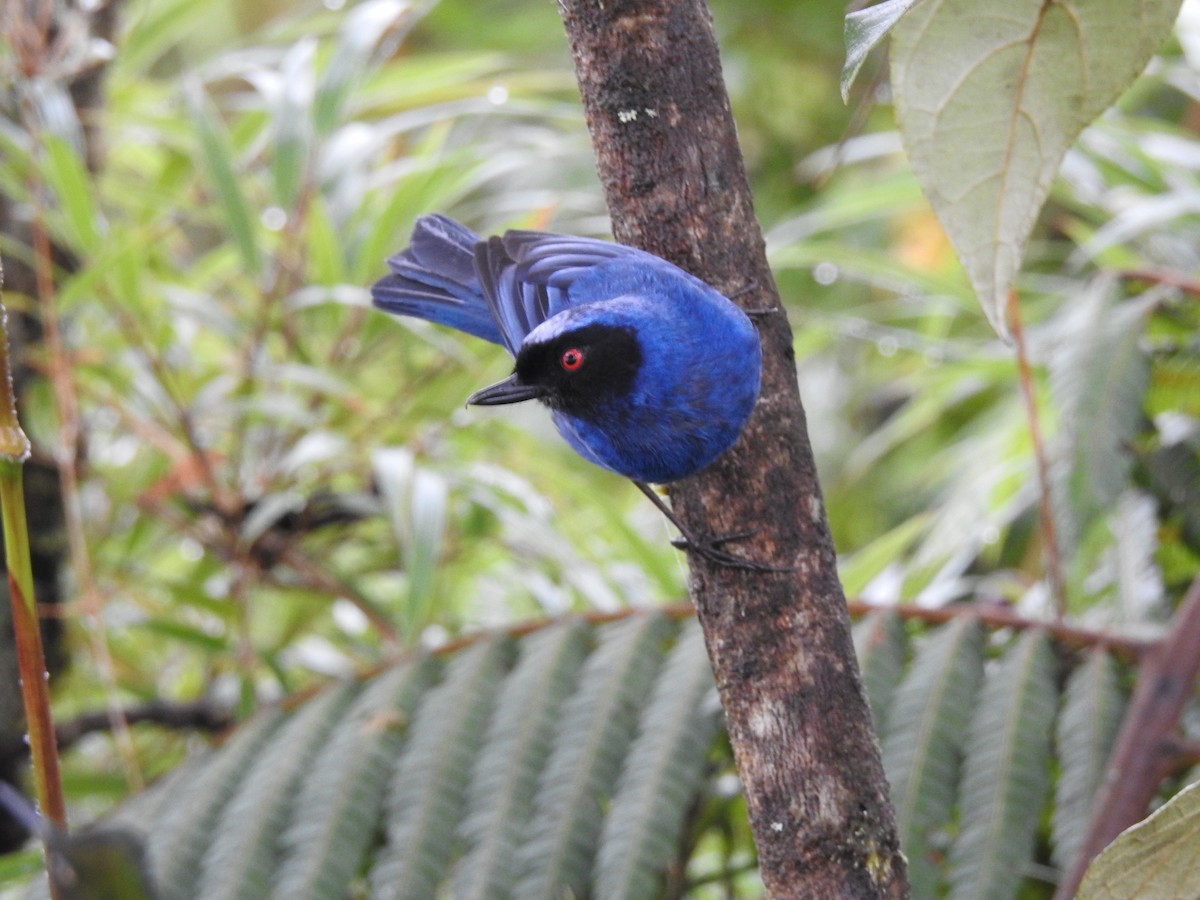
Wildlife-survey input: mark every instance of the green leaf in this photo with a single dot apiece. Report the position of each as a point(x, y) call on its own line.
point(1093, 704)
point(879, 644)
point(1098, 375)
point(337, 807)
point(597, 725)
point(415, 498)
point(512, 758)
point(245, 849)
point(362, 28)
point(662, 771)
point(1139, 581)
point(989, 99)
point(100, 864)
point(291, 123)
point(923, 745)
point(428, 791)
point(864, 29)
point(1005, 773)
point(68, 178)
point(1154, 858)
point(217, 152)
point(864, 564)
point(176, 842)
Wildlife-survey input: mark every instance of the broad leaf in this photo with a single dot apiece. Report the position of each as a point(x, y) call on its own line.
point(1154, 858)
point(864, 29)
point(990, 97)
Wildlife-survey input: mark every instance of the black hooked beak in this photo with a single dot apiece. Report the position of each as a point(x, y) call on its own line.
point(510, 390)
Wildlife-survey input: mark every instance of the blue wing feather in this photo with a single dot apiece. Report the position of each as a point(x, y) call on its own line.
point(434, 279)
point(498, 289)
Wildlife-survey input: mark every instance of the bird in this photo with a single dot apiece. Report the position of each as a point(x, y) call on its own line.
point(647, 371)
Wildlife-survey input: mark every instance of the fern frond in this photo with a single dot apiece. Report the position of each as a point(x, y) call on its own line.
point(1139, 580)
point(1005, 773)
point(1093, 705)
point(427, 793)
point(879, 643)
point(922, 749)
point(662, 771)
point(598, 724)
point(1098, 376)
point(244, 851)
point(337, 808)
point(176, 842)
point(512, 758)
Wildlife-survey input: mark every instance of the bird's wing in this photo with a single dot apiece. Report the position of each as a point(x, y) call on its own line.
point(526, 276)
point(434, 279)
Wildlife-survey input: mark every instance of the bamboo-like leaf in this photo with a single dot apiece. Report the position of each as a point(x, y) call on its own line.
point(362, 28)
point(415, 498)
point(1005, 773)
point(68, 177)
point(512, 759)
point(337, 808)
point(427, 793)
point(1093, 704)
point(662, 771)
point(922, 747)
point(176, 842)
point(217, 151)
point(879, 644)
point(1155, 858)
point(990, 98)
point(597, 725)
point(245, 848)
point(291, 119)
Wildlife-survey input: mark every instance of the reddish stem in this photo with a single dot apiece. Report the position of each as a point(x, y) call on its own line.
point(1054, 568)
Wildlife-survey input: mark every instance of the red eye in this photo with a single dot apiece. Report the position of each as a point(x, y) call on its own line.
point(572, 359)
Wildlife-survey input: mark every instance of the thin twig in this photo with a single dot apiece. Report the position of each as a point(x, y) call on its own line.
point(1054, 567)
point(1185, 283)
point(993, 615)
point(66, 461)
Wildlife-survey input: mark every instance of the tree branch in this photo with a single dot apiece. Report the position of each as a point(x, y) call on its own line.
point(780, 646)
point(200, 715)
point(1148, 746)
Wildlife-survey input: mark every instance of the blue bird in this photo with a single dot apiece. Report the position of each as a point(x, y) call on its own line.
point(647, 371)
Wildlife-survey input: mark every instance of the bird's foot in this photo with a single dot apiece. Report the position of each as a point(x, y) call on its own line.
point(709, 548)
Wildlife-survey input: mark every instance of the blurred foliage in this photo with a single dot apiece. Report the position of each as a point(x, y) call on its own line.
point(279, 484)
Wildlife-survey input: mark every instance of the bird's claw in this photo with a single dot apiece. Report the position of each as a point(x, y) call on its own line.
point(709, 548)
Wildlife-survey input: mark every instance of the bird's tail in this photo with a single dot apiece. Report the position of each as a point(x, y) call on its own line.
point(434, 279)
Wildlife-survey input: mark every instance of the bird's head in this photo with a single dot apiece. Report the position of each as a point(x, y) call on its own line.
point(573, 366)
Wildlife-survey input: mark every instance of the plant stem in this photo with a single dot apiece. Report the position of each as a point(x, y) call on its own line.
point(31, 662)
point(1054, 570)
